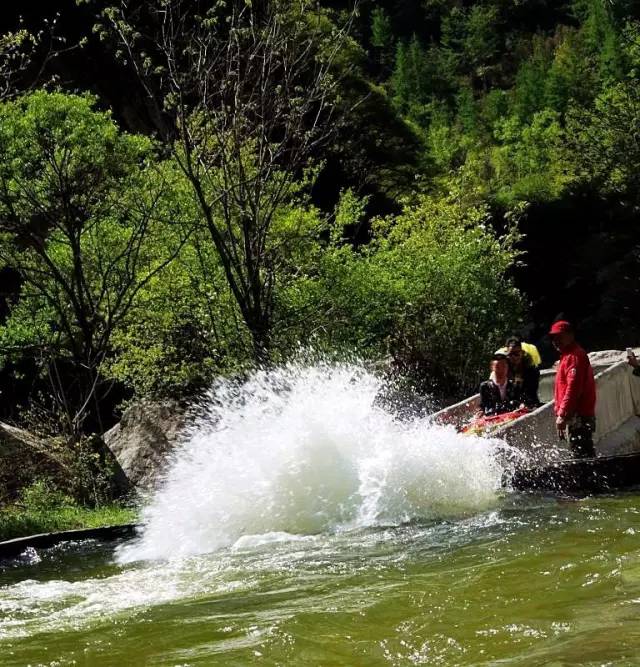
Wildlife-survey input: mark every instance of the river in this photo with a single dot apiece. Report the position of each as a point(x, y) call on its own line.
point(300, 523)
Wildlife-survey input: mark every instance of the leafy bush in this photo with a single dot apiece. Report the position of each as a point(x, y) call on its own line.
point(431, 290)
point(41, 496)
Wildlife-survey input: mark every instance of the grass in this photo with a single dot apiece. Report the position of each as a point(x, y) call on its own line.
point(18, 521)
point(43, 509)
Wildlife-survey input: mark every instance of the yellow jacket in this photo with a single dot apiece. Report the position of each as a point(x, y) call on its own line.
point(530, 349)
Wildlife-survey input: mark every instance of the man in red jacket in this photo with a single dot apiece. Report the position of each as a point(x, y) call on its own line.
point(575, 391)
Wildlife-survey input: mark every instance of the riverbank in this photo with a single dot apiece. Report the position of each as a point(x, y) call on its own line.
point(41, 510)
point(19, 522)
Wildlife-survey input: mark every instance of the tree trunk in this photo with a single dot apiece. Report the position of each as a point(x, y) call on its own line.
point(260, 330)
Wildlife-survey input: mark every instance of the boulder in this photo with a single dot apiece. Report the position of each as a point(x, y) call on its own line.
point(144, 438)
point(24, 458)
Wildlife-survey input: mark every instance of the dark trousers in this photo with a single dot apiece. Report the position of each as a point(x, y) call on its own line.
point(581, 431)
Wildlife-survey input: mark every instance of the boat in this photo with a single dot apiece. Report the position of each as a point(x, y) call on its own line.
point(544, 462)
point(488, 425)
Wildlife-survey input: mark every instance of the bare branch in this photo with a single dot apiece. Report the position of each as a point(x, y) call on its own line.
point(251, 94)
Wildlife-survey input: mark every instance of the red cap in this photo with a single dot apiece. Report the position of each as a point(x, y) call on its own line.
point(560, 327)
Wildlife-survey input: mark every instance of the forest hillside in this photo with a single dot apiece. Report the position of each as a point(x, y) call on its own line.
point(408, 181)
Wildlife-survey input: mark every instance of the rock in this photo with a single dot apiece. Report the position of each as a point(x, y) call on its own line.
point(144, 438)
point(604, 358)
point(25, 458)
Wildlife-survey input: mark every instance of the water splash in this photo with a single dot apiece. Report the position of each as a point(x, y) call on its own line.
point(304, 450)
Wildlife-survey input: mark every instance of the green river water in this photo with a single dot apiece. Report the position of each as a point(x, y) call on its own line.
point(533, 581)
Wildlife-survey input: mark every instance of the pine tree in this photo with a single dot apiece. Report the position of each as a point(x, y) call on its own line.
point(382, 37)
point(610, 65)
point(418, 71)
point(410, 79)
point(400, 81)
point(467, 111)
point(530, 82)
point(481, 38)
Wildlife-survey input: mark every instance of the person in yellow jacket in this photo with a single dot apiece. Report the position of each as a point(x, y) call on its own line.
point(524, 360)
point(528, 348)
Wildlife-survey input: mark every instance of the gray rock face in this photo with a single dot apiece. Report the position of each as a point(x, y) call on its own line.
point(24, 458)
point(144, 438)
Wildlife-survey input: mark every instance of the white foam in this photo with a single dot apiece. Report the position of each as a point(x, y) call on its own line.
point(255, 541)
point(304, 450)
point(30, 607)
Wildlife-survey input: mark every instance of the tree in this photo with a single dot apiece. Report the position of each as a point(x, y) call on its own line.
point(529, 164)
point(604, 144)
point(382, 37)
point(602, 138)
point(401, 81)
point(248, 99)
point(184, 330)
point(410, 80)
point(15, 56)
point(467, 111)
point(25, 56)
point(431, 290)
point(481, 44)
point(528, 92)
point(79, 222)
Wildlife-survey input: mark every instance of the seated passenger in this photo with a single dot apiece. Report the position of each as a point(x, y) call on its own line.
point(524, 372)
point(529, 349)
point(499, 394)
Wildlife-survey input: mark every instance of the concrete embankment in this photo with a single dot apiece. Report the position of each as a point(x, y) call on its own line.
point(17, 546)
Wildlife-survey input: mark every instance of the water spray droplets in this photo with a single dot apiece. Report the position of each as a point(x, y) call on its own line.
point(307, 449)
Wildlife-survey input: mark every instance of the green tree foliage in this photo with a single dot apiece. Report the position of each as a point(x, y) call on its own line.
point(602, 137)
point(604, 142)
point(528, 92)
point(481, 41)
point(410, 76)
point(492, 97)
point(472, 37)
point(80, 221)
point(249, 95)
point(529, 159)
point(382, 37)
point(430, 290)
point(184, 330)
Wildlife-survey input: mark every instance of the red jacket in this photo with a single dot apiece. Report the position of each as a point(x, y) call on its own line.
point(575, 388)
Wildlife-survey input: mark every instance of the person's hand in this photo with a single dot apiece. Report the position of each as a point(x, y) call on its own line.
point(561, 425)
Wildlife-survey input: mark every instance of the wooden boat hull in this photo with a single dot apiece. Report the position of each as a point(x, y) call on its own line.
point(580, 476)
